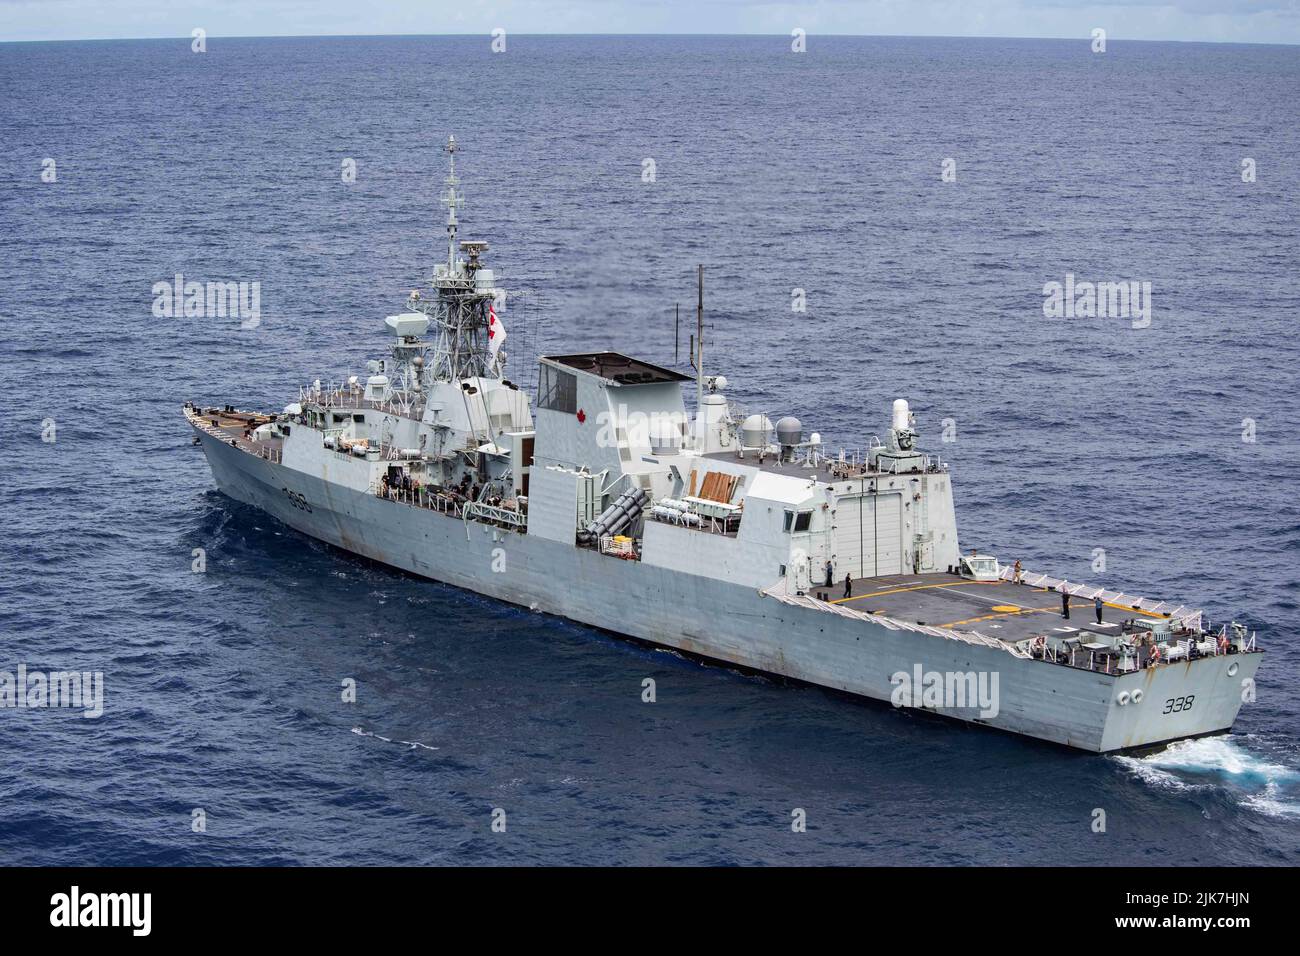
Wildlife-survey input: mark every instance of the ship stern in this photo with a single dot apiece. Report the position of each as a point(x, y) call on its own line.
point(1194, 698)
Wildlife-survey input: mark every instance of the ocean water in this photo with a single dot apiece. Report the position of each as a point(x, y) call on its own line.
point(776, 170)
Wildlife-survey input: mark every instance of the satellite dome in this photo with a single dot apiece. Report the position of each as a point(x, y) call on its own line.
point(789, 431)
point(754, 431)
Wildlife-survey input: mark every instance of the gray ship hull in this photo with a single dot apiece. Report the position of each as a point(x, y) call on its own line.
point(737, 624)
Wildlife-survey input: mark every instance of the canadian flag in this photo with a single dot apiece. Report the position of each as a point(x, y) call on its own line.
point(496, 332)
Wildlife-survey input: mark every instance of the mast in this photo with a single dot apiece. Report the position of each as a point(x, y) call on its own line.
point(458, 312)
point(453, 198)
point(699, 339)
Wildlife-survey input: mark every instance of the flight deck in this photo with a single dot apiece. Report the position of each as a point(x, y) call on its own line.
point(1002, 609)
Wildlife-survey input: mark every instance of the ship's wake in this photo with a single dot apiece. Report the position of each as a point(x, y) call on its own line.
point(1246, 765)
point(408, 744)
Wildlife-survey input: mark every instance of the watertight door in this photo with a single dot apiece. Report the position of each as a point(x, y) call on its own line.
point(868, 536)
point(888, 531)
point(848, 539)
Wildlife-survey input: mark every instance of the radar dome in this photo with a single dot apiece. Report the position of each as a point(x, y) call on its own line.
point(789, 431)
point(754, 431)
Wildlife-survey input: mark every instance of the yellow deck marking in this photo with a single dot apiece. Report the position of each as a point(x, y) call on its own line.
point(1135, 610)
point(1002, 610)
point(1118, 607)
point(919, 587)
point(1010, 612)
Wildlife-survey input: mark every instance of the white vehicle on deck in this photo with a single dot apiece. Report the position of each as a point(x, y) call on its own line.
point(980, 567)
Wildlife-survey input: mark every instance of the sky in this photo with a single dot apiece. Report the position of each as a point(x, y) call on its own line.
point(1222, 21)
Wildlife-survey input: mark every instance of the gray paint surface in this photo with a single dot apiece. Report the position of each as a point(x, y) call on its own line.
point(735, 623)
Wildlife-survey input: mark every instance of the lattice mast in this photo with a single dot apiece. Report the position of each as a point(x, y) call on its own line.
point(464, 289)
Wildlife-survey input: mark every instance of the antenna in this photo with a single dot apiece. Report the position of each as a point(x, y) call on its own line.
point(677, 334)
point(699, 338)
point(452, 198)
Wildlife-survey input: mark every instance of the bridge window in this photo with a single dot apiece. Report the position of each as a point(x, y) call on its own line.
point(557, 390)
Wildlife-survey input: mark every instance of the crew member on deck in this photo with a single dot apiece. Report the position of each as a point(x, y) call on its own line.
point(1065, 602)
point(848, 585)
point(1019, 572)
point(830, 574)
point(1097, 603)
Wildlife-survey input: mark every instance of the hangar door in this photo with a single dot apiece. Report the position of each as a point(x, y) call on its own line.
point(869, 536)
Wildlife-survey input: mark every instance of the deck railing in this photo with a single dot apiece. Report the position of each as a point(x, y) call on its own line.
point(444, 504)
point(268, 452)
point(347, 397)
point(704, 523)
point(966, 637)
point(416, 498)
point(1073, 656)
point(1190, 617)
point(485, 512)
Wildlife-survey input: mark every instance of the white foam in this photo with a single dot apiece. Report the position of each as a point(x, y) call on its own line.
point(1268, 803)
point(1219, 762)
point(1219, 755)
point(411, 744)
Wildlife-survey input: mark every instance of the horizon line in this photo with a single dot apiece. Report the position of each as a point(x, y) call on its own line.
point(478, 33)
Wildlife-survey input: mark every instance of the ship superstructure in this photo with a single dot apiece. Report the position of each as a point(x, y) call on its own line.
point(724, 535)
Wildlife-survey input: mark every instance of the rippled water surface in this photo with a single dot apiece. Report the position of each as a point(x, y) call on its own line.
point(779, 171)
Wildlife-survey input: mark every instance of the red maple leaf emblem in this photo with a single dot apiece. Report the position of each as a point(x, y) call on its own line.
point(582, 416)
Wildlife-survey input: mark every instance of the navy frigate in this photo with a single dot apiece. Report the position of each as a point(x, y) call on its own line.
point(723, 535)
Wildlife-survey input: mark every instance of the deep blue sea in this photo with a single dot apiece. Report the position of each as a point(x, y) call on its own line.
point(819, 171)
